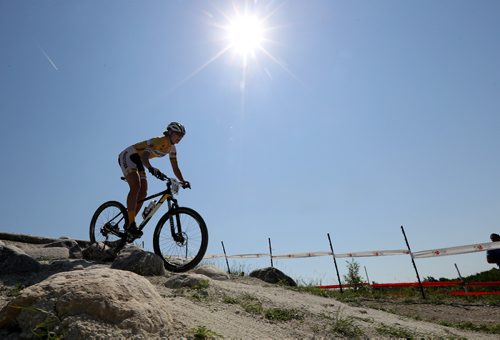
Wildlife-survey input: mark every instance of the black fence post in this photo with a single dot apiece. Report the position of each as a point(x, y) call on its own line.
point(367, 278)
point(414, 265)
point(461, 278)
point(225, 255)
point(335, 261)
point(271, 252)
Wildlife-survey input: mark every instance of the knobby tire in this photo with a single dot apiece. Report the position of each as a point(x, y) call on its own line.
point(162, 236)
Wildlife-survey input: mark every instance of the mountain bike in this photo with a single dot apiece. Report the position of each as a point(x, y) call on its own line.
point(180, 237)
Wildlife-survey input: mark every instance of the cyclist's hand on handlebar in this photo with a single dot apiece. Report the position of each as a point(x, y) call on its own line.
point(186, 185)
point(157, 173)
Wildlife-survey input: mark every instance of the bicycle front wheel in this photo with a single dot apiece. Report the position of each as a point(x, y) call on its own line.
point(108, 222)
point(181, 251)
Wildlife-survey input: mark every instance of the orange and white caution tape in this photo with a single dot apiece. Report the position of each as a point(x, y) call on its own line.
point(471, 248)
point(419, 254)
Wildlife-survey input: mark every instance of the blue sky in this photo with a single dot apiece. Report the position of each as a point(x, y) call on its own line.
point(369, 115)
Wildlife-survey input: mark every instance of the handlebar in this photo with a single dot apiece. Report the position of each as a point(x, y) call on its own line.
point(165, 178)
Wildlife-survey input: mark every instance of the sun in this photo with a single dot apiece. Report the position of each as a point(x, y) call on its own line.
point(245, 34)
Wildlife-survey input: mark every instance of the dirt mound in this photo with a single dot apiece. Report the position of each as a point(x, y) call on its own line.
point(119, 304)
point(238, 307)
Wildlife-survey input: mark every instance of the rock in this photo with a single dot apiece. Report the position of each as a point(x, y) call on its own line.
point(25, 238)
point(29, 239)
point(273, 275)
point(91, 303)
point(67, 265)
point(13, 261)
point(212, 272)
point(47, 254)
point(187, 280)
point(139, 261)
point(75, 252)
point(98, 252)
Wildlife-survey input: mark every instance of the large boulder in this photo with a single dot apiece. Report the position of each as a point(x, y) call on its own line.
point(98, 252)
point(187, 281)
point(84, 304)
point(47, 254)
point(273, 275)
point(139, 261)
point(212, 272)
point(29, 239)
point(75, 252)
point(14, 261)
point(69, 264)
point(25, 238)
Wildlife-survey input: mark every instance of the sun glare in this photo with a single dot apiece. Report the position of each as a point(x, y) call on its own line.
point(245, 34)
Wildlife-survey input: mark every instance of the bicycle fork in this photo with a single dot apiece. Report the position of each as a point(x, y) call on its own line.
point(176, 234)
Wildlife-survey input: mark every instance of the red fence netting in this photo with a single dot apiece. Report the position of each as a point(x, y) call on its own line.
point(425, 284)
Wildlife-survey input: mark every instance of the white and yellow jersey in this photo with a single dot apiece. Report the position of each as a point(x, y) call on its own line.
point(157, 147)
point(130, 158)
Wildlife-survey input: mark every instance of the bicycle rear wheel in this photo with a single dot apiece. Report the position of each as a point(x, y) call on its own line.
point(180, 255)
point(108, 223)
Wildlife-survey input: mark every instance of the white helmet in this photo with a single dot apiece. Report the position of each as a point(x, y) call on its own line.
point(176, 127)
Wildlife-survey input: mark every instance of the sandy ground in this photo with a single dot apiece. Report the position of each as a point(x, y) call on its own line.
point(237, 309)
point(320, 317)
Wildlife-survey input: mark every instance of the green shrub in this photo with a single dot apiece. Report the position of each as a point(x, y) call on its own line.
point(344, 326)
point(396, 332)
point(230, 300)
point(202, 333)
point(282, 314)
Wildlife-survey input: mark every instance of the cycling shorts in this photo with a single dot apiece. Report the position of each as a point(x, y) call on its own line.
point(130, 161)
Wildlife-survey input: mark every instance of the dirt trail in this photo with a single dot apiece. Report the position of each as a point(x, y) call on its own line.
point(236, 309)
point(320, 315)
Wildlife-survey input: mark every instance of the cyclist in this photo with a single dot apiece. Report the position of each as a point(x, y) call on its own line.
point(135, 159)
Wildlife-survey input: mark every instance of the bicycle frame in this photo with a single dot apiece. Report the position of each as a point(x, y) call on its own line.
point(166, 195)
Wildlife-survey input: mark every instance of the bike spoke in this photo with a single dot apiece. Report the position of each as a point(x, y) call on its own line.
point(183, 252)
point(108, 222)
point(186, 250)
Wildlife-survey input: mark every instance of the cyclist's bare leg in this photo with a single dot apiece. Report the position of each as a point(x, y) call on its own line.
point(143, 191)
point(134, 183)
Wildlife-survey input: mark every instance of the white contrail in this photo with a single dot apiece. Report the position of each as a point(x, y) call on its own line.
point(48, 58)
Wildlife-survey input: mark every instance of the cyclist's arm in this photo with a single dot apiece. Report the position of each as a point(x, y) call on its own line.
point(145, 159)
point(175, 168)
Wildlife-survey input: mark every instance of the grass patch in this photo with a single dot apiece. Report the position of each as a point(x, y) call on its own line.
point(246, 301)
point(200, 295)
point(252, 307)
point(315, 291)
point(396, 332)
point(470, 326)
point(48, 328)
point(200, 291)
point(203, 284)
point(342, 326)
point(435, 296)
point(283, 314)
point(202, 332)
point(345, 327)
point(16, 290)
point(230, 300)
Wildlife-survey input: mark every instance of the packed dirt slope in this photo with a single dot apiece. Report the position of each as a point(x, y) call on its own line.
point(243, 307)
